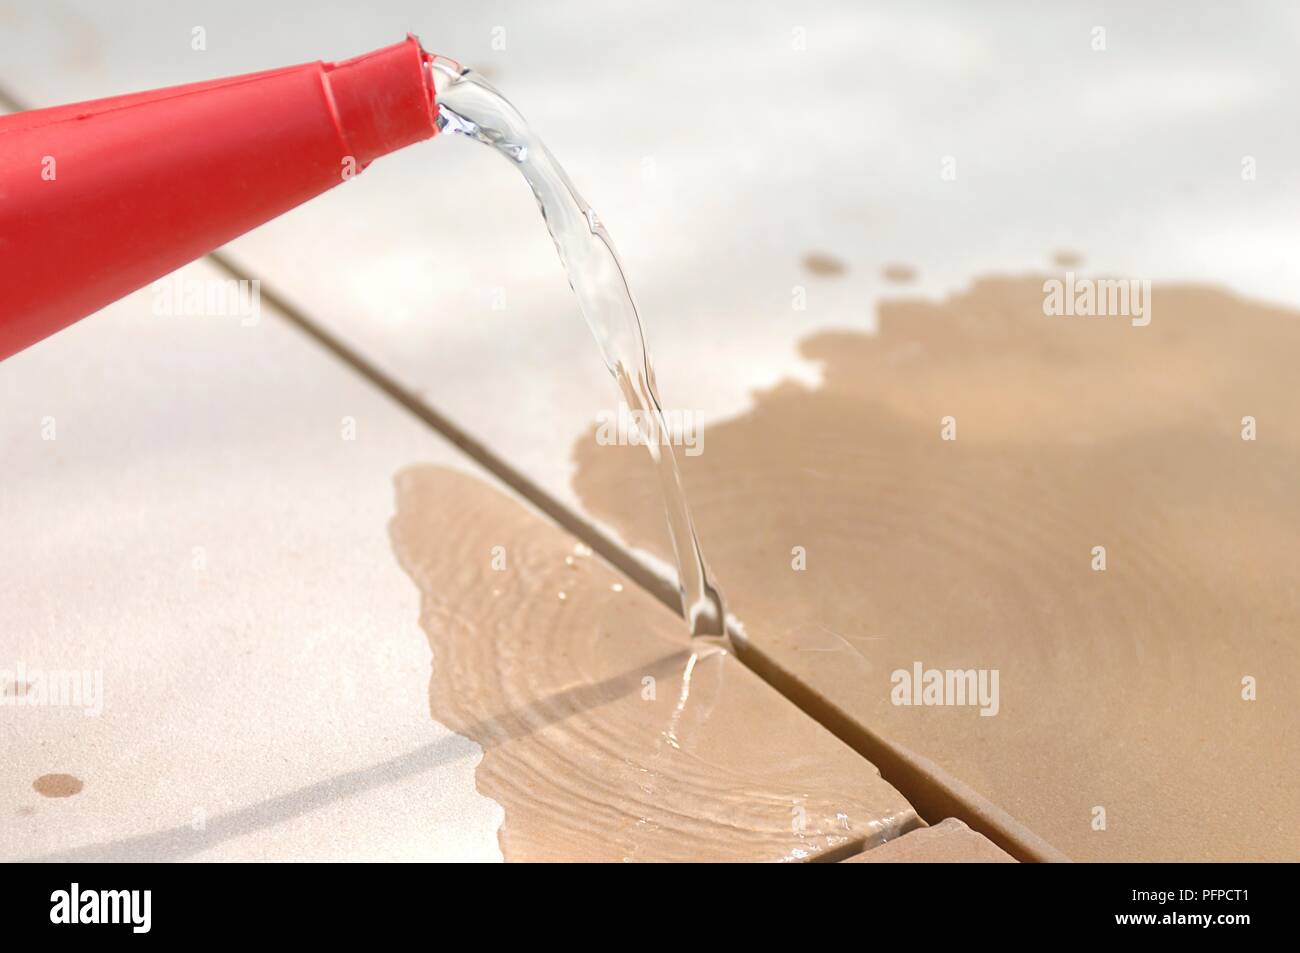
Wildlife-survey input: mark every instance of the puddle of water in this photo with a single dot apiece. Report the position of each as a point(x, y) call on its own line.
point(606, 735)
point(1120, 688)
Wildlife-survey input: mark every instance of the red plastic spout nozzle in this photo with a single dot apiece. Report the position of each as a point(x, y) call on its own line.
point(98, 199)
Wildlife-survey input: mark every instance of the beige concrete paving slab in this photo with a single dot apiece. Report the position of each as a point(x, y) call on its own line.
point(1127, 154)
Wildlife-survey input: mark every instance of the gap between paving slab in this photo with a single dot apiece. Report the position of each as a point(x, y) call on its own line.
point(8, 103)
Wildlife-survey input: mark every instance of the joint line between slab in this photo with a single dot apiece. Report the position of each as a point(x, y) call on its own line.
point(9, 103)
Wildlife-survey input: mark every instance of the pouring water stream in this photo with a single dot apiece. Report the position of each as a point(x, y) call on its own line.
point(469, 106)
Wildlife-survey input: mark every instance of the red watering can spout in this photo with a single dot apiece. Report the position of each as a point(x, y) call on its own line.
point(98, 199)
